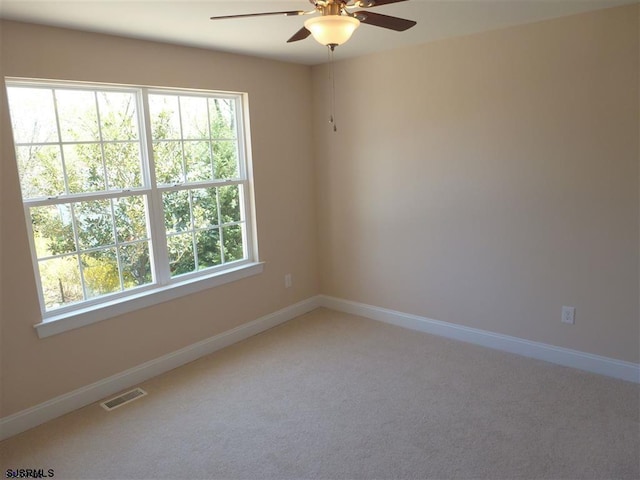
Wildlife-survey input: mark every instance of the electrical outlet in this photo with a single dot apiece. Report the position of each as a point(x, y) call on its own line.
point(287, 281)
point(568, 315)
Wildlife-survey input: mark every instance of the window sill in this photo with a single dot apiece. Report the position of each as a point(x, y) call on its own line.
point(80, 318)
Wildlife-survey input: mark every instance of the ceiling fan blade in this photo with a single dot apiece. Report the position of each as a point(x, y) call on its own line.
point(384, 21)
point(290, 13)
point(299, 35)
point(375, 3)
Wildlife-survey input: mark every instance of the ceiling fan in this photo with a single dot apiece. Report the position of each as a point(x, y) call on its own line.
point(338, 20)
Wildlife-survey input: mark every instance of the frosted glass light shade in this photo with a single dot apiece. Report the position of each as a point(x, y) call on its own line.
point(332, 29)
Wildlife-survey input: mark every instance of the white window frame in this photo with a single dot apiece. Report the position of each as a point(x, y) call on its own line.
point(163, 288)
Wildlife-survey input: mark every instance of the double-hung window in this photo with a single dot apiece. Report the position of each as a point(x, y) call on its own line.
point(130, 192)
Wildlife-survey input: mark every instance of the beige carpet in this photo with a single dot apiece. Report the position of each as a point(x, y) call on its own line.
point(334, 396)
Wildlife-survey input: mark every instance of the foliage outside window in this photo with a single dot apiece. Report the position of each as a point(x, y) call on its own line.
point(128, 189)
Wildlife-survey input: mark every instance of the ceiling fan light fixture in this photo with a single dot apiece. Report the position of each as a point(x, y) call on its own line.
point(332, 29)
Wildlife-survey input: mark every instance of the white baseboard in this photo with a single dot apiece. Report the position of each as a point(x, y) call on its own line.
point(542, 351)
point(31, 417)
point(34, 416)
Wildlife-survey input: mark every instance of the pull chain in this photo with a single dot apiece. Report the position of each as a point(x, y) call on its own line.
point(332, 116)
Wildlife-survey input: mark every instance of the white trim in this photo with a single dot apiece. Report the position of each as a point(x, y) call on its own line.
point(34, 416)
point(96, 313)
point(164, 287)
point(542, 351)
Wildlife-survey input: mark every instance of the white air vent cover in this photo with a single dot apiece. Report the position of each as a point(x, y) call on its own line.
point(123, 398)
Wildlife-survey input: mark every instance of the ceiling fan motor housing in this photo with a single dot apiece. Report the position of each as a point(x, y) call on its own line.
point(329, 7)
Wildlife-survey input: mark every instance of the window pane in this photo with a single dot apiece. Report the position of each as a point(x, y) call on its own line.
point(78, 115)
point(223, 118)
point(197, 157)
point(79, 150)
point(33, 116)
point(136, 264)
point(52, 230)
point(100, 272)
point(225, 155)
point(40, 168)
point(165, 117)
point(195, 123)
point(85, 172)
point(205, 207)
point(124, 165)
point(60, 279)
point(208, 245)
point(95, 224)
point(232, 243)
point(168, 162)
point(118, 116)
point(130, 218)
point(229, 203)
point(177, 214)
point(181, 259)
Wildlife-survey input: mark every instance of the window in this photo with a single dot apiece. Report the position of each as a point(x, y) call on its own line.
point(129, 190)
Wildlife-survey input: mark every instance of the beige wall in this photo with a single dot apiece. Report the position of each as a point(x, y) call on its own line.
point(485, 181)
point(489, 180)
point(35, 370)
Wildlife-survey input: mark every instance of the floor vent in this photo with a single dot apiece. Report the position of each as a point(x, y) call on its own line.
point(120, 400)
